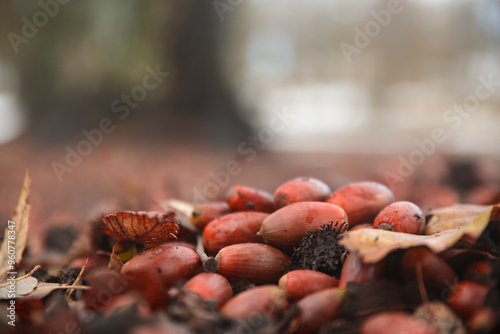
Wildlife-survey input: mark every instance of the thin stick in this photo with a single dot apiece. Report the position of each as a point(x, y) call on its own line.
point(209, 263)
point(77, 280)
point(421, 285)
point(23, 277)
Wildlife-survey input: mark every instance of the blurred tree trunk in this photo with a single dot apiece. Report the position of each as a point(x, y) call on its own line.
point(201, 97)
point(91, 52)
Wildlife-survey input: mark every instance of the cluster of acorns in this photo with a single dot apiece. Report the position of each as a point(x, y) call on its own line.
point(260, 254)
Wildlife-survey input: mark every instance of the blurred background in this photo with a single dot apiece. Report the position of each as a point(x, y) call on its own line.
point(120, 103)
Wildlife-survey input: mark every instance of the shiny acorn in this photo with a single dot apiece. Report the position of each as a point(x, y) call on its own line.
point(143, 227)
point(204, 213)
point(233, 228)
point(241, 198)
point(436, 273)
point(403, 216)
point(286, 227)
point(301, 189)
point(362, 201)
point(317, 309)
point(266, 300)
point(467, 298)
point(257, 263)
point(210, 287)
point(300, 283)
point(155, 270)
point(354, 270)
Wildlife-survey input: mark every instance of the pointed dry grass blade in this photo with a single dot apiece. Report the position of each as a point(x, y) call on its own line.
point(20, 227)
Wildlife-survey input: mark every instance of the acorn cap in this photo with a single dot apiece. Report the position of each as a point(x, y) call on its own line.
point(320, 250)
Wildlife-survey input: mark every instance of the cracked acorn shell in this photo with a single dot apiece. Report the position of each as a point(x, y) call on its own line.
point(142, 227)
point(286, 227)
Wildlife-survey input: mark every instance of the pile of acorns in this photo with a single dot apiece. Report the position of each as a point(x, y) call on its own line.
point(263, 257)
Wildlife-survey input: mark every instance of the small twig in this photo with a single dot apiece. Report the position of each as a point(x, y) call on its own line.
point(421, 285)
point(23, 277)
point(208, 262)
point(77, 280)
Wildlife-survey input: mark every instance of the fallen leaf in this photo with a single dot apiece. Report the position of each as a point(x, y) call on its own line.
point(373, 245)
point(24, 286)
point(455, 216)
point(43, 289)
point(20, 228)
point(185, 209)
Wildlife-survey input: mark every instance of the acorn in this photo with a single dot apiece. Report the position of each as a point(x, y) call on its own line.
point(362, 201)
point(104, 284)
point(143, 227)
point(204, 213)
point(318, 308)
point(257, 263)
point(286, 227)
point(301, 189)
point(241, 198)
point(436, 273)
point(262, 301)
point(155, 270)
point(233, 228)
point(354, 270)
point(479, 272)
point(403, 216)
point(467, 298)
point(395, 322)
point(300, 283)
point(321, 251)
point(483, 321)
point(210, 287)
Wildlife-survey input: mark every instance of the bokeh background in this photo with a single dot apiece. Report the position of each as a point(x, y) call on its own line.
point(360, 81)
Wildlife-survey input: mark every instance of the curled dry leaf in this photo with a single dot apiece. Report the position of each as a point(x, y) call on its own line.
point(142, 227)
point(373, 245)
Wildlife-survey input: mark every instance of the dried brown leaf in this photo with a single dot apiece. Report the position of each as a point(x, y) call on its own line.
point(373, 245)
point(43, 289)
point(142, 227)
point(455, 216)
point(20, 228)
point(24, 285)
